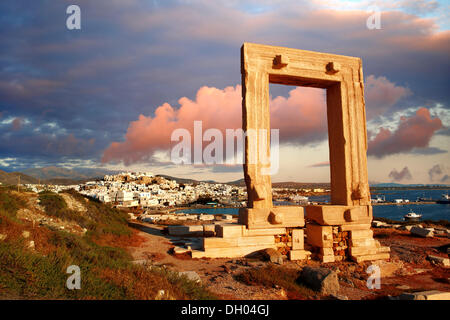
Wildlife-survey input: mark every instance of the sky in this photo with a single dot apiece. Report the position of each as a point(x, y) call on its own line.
point(110, 94)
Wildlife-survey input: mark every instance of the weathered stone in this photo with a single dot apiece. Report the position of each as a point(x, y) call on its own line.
point(209, 230)
point(206, 217)
point(258, 218)
point(185, 230)
point(379, 224)
point(422, 232)
point(299, 255)
point(426, 295)
point(322, 280)
point(181, 250)
point(190, 275)
point(229, 230)
point(2, 236)
point(263, 231)
point(216, 242)
point(319, 236)
point(298, 239)
point(327, 258)
point(273, 255)
point(445, 262)
point(26, 234)
point(342, 77)
point(228, 252)
point(338, 215)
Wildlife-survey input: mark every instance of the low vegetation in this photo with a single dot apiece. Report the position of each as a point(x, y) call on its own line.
point(272, 276)
point(38, 271)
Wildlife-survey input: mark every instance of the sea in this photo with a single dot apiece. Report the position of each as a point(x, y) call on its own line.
point(434, 212)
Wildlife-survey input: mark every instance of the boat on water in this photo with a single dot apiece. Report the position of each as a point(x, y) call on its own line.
point(379, 199)
point(424, 199)
point(445, 200)
point(412, 216)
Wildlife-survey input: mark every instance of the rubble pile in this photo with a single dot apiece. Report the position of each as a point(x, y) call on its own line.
point(340, 244)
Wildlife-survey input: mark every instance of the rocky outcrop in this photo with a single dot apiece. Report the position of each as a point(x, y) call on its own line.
point(322, 280)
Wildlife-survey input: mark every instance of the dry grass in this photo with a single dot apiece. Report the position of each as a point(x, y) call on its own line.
point(106, 268)
point(121, 241)
point(273, 276)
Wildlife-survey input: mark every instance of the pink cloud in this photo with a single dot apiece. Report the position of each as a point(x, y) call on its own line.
point(301, 117)
point(381, 94)
point(413, 132)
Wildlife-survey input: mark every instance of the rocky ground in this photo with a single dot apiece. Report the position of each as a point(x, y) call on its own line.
point(409, 269)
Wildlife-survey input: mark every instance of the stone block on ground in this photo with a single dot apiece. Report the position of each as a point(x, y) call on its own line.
point(229, 230)
point(422, 232)
point(190, 275)
point(185, 230)
point(299, 255)
point(322, 280)
point(444, 262)
point(209, 230)
point(275, 217)
point(371, 257)
point(181, 250)
point(273, 255)
point(228, 252)
point(379, 224)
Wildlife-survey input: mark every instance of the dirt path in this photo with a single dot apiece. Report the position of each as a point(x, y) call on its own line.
point(215, 274)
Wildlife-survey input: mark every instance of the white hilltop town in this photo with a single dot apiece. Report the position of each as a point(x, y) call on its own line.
point(147, 191)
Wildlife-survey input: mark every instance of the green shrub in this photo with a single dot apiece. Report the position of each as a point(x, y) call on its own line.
point(10, 203)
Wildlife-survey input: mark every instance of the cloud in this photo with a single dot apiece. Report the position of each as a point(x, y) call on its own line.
point(428, 151)
point(445, 178)
point(45, 145)
point(92, 85)
point(381, 94)
point(300, 118)
point(402, 175)
point(413, 132)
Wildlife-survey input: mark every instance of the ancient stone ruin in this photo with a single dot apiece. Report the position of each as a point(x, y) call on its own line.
point(337, 231)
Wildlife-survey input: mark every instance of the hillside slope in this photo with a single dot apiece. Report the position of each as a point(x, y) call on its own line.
point(41, 235)
point(12, 178)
